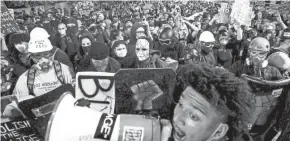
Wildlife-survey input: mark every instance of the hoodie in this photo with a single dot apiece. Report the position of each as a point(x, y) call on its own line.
point(133, 40)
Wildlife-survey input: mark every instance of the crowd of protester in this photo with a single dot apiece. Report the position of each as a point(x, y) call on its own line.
point(209, 58)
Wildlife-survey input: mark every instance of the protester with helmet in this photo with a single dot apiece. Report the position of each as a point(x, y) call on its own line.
point(46, 74)
point(256, 65)
point(169, 47)
point(202, 52)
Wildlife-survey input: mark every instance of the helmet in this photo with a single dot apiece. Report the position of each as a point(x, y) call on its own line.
point(39, 33)
point(260, 43)
point(206, 36)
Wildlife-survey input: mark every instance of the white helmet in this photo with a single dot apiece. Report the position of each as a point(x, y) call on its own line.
point(206, 36)
point(39, 41)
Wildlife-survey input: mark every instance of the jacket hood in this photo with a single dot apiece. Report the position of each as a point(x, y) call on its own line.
point(134, 28)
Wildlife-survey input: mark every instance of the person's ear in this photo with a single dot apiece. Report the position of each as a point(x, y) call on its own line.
point(221, 132)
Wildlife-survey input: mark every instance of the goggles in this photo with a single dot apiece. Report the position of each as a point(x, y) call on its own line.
point(258, 53)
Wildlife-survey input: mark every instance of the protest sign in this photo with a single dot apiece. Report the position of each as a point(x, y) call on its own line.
point(85, 8)
point(144, 90)
point(240, 10)
point(19, 130)
point(248, 20)
point(224, 13)
point(98, 88)
point(8, 24)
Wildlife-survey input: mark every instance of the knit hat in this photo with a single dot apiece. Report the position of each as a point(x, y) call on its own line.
point(99, 51)
point(117, 43)
point(39, 41)
point(71, 20)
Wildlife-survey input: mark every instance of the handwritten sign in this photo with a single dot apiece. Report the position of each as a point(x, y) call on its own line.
point(19, 130)
point(240, 11)
point(8, 24)
point(85, 8)
point(224, 13)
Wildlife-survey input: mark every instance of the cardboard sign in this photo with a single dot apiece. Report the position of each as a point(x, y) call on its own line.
point(248, 20)
point(224, 13)
point(145, 89)
point(240, 10)
point(98, 88)
point(19, 130)
point(8, 24)
point(85, 8)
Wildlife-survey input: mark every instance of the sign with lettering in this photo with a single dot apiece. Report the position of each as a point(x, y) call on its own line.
point(224, 13)
point(19, 130)
point(240, 10)
point(98, 88)
point(139, 90)
point(85, 7)
point(8, 24)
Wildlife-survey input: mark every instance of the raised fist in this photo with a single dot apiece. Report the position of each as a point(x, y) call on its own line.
point(145, 93)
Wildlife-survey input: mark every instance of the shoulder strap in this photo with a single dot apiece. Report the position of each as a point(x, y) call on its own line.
point(30, 80)
point(58, 71)
point(54, 53)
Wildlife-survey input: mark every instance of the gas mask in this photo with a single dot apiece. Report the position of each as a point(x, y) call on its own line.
point(121, 50)
point(142, 49)
point(44, 65)
point(43, 61)
point(72, 28)
point(257, 57)
point(206, 47)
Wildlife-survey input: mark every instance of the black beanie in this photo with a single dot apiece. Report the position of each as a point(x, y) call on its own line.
point(99, 51)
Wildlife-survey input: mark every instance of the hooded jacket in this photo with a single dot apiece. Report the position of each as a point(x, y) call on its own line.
point(87, 65)
point(133, 40)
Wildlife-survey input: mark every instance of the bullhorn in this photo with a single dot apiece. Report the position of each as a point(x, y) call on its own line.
point(74, 123)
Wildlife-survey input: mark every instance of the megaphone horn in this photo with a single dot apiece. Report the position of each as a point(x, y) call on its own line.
point(69, 122)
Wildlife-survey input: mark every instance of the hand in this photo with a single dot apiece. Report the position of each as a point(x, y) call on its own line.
point(145, 93)
point(166, 129)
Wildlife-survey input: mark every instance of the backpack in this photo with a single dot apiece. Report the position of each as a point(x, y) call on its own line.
point(32, 72)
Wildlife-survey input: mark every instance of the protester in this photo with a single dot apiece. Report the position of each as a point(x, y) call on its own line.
point(206, 36)
point(98, 59)
point(214, 105)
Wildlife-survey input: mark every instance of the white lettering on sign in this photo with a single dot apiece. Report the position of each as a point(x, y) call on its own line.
point(106, 128)
point(286, 34)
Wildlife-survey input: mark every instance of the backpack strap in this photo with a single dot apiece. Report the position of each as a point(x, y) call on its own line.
point(30, 80)
point(58, 71)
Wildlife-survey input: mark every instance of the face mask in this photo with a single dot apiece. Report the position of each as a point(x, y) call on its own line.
point(211, 137)
point(86, 49)
point(206, 50)
point(142, 50)
point(22, 48)
point(72, 29)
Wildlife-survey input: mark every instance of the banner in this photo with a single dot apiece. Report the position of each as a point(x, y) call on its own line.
point(8, 24)
point(224, 13)
point(240, 10)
